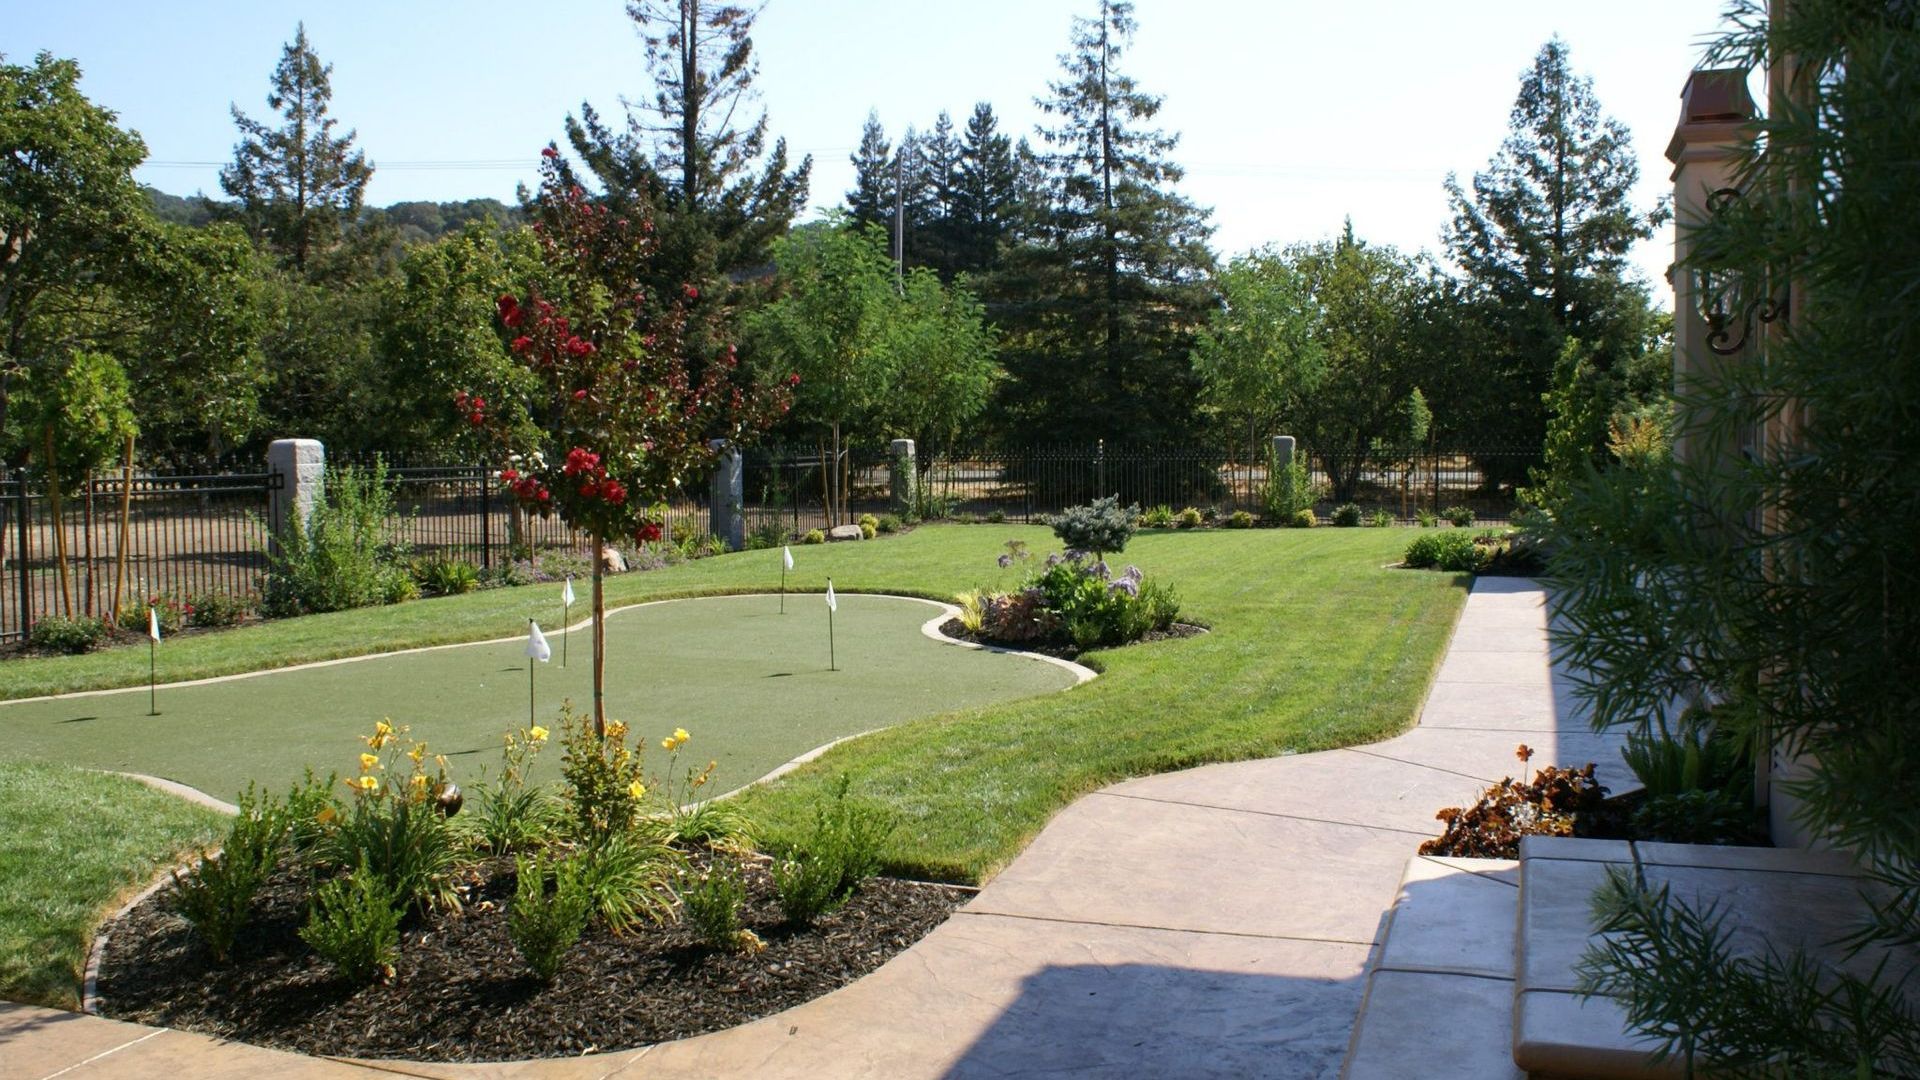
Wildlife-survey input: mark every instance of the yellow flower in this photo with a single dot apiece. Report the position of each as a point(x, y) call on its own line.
point(382, 732)
point(636, 789)
point(537, 733)
point(369, 762)
point(326, 815)
point(418, 752)
point(616, 730)
point(367, 783)
point(419, 782)
point(676, 740)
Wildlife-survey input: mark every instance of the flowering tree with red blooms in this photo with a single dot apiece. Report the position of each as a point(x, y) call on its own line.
point(622, 414)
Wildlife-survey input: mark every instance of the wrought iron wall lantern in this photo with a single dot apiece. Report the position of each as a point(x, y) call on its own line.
point(1731, 301)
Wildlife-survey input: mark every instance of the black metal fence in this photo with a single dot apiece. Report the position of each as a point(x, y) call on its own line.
point(201, 532)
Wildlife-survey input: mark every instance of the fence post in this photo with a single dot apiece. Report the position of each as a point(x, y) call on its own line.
point(904, 476)
point(20, 556)
point(301, 465)
point(726, 495)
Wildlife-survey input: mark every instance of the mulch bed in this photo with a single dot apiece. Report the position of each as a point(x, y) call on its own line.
point(461, 992)
point(953, 628)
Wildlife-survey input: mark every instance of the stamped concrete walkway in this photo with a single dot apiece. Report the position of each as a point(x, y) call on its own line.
point(1213, 922)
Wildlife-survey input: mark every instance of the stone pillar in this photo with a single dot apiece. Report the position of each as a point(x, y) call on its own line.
point(1282, 451)
point(1716, 114)
point(905, 476)
point(301, 468)
point(726, 496)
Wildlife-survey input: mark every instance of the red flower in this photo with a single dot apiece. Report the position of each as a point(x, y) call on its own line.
point(614, 492)
point(508, 307)
point(544, 496)
point(579, 395)
point(476, 419)
point(522, 343)
point(647, 531)
point(578, 347)
point(508, 476)
point(691, 293)
point(589, 489)
point(793, 379)
point(549, 152)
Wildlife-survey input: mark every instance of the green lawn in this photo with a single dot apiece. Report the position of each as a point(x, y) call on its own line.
point(74, 843)
point(1314, 644)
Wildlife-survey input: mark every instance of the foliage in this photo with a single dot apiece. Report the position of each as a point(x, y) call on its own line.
point(1188, 518)
point(888, 523)
point(629, 877)
point(395, 828)
point(310, 807)
point(837, 854)
point(1595, 401)
point(1460, 517)
point(1381, 518)
point(1452, 551)
point(217, 893)
point(1427, 518)
point(299, 185)
point(712, 900)
point(1346, 515)
point(1289, 489)
point(443, 576)
point(1547, 805)
point(81, 410)
point(68, 635)
point(509, 813)
point(1262, 349)
point(1240, 519)
point(1764, 573)
point(543, 923)
point(814, 536)
point(604, 788)
point(217, 608)
point(1081, 600)
point(1102, 526)
point(690, 818)
point(354, 925)
point(1160, 517)
point(1304, 519)
point(346, 556)
point(1105, 290)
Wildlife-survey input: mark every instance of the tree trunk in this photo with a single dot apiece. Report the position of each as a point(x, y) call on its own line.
point(599, 642)
point(59, 530)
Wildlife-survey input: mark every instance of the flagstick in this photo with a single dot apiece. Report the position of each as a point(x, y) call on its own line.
point(153, 677)
point(565, 617)
point(530, 662)
point(783, 586)
point(833, 664)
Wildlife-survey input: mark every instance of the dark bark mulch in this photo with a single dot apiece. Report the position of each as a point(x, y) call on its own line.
point(461, 993)
point(1062, 650)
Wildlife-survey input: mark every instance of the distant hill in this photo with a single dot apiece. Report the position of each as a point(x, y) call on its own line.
point(415, 222)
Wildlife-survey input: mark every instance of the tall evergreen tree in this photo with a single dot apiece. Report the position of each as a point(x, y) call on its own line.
point(299, 185)
point(871, 200)
point(1118, 258)
point(1545, 234)
point(719, 194)
point(984, 193)
point(939, 163)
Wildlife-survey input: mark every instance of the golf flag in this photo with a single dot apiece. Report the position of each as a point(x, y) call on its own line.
point(153, 662)
point(537, 647)
point(786, 557)
point(833, 604)
point(566, 592)
point(153, 624)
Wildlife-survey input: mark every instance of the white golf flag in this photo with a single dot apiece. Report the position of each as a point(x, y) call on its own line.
point(833, 604)
point(566, 593)
point(153, 624)
point(537, 647)
point(786, 556)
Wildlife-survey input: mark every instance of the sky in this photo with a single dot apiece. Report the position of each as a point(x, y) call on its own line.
point(1292, 115)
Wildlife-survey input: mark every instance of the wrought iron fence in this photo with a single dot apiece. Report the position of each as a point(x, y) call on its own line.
point(196, 533)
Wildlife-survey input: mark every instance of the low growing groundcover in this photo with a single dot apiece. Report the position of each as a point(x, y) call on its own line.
point(1313, 645)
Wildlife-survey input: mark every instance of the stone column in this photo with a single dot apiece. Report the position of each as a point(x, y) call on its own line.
point(905, 476)
point(301, 466)
point(726, 496)
point(1282, 451)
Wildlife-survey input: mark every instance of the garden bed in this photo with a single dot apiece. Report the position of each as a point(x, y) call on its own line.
point(460, 992)
point(1062, 650)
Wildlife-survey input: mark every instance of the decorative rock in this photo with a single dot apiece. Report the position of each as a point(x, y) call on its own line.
point(611, 561)
point(845, 532)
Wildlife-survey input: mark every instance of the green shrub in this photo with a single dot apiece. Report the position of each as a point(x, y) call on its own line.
point(1160, 517)
point(1188, 518)
point(395, 828)
point(76, 635)
point(1289, 490)
point(814, 536)
point(213, 609)
point(1346, 515)
point(446, 577)
point(1303, 519)
point(347, 556)
point(1460, 517)
point(629, 878)
point(545, 923)
point(310, 808)
point(889, 523)
point(172, 614)
point(1097, 608)
point(713, 900)
point(868, 532)
point(354, 925)
point(1427, 518)
point(837, 854)
point(1451, 551)
point(510, 814)
point(1240, 519)
point(996, 517)
point(1102, 526)
point(509, 573)
point(770, 533)
point(1380, 519)
point(868, 521)
point(216, 895)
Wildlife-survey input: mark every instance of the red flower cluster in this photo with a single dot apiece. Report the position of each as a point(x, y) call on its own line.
point(648, 532)
point(473, 406)
point(580, 347)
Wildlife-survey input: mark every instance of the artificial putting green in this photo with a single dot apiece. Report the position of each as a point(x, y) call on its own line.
point(752, 685)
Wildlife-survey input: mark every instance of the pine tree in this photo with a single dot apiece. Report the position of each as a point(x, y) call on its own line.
point(719, 194)
point(299, 186)
point(1116, 258)
point(1545, 235)
point(871, 200)
point(984, 190)
point(939, 163)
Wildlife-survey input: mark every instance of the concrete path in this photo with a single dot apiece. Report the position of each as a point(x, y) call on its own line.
point(1213, 922)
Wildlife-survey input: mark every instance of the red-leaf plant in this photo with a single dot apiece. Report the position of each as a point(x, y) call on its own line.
point(622, 413)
